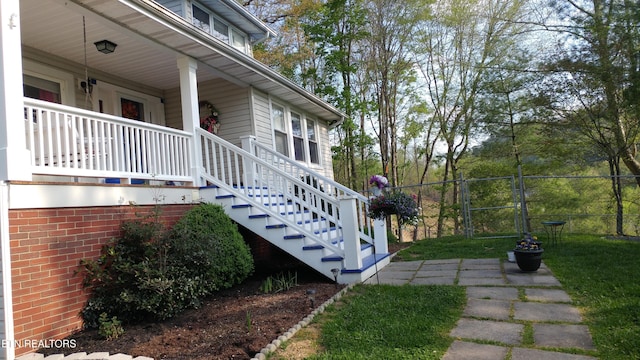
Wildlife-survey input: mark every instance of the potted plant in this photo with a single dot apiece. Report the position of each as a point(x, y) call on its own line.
point(528, 252)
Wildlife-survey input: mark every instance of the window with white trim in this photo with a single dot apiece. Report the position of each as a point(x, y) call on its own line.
point(279, 130)
point(295, 134)
point(312, 139)
point(205, 19)
point(41, 89)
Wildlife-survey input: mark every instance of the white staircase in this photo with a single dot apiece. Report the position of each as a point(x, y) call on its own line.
point(314, 219)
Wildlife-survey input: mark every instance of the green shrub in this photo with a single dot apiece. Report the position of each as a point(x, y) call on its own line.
point(109, 329)
point(152, 273)
point(209, 248)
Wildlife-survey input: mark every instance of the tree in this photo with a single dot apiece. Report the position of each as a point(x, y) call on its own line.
point(600, 93)
point(464, 40)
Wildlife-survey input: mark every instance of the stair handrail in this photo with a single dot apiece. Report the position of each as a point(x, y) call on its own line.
point(365, 227)
point(235, 174)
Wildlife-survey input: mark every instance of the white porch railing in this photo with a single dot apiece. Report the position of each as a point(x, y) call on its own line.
point(325, 185)
point(286, 185)
point(68, 141)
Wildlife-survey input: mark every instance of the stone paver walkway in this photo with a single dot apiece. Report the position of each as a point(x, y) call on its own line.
point(502, 302)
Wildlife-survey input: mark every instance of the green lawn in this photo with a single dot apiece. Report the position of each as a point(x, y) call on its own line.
point(410, 322)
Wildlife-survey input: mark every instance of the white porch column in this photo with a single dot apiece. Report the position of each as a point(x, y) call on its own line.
point(191, 111)
point(248, 168)
point(14, 155)
point(350, 233)
point(380, 243)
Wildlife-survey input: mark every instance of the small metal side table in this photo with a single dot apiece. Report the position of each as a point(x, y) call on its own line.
point(554, 230)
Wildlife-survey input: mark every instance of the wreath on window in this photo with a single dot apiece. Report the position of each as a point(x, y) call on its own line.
point(210, 121)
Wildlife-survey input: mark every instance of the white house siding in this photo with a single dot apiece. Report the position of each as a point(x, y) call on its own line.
point(262, 118)
point(326, 158)
point(232, 103)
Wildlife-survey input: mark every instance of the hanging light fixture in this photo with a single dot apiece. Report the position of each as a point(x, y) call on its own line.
point(105, 46)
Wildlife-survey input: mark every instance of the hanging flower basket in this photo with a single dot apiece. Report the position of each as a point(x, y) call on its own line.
point(397, 203)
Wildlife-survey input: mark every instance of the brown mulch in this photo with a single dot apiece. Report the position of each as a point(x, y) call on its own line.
point(234, 324)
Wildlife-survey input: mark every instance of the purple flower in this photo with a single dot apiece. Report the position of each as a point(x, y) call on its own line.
point(379, 181)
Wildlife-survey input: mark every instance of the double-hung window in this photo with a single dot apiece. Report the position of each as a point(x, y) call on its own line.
point(280, 130)
point(313, 142)
point(298, 140)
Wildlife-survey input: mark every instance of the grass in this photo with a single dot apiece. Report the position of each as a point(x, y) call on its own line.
point(409, 322)
point(391, 322)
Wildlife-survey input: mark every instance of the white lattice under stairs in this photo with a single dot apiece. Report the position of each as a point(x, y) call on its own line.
point(310, 240)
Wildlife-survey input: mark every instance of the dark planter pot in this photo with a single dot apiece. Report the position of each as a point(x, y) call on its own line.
point(528, 260)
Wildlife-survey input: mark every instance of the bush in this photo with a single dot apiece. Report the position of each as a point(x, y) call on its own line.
point(209, 248)
point(151, 273)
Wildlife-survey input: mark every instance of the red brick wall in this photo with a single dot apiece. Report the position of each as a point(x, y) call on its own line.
point(46, 247)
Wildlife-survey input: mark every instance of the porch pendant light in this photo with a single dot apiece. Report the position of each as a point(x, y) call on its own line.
point(105, 46)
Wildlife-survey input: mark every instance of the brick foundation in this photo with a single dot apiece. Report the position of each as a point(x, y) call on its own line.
point(46, 248)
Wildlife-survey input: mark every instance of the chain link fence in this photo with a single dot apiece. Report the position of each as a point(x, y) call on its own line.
point(493, 206)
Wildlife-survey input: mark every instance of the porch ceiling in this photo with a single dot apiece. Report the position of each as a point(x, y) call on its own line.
point(149, 40)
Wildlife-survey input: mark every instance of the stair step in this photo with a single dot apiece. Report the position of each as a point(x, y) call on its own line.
point(265, 195)
point(325, 230)
point(313, 247)
point(367, 262)
point(259, 216)
point(227, 196)
point(278, 204)
point(276, 226)
point(241, 206)
point(295, 212)
point(331, 258)
point(294, 236)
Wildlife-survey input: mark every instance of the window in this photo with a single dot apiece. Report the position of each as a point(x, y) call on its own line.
point(237, 41)
point(313, 142)
point(207, 21)
point(201, 19)
point(132, 109)
point(298, 140)
point(41, 89)
point(279, 130)
point(295, 134)
point(221, 31)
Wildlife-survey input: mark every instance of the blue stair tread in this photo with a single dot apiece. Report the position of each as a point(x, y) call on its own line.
point(276, 226)
point(325, 230)
point(294, 236)
point(259, 216)
point(313, 247)
point(367, 262)
point(294, 212)
point(265, 195)
point(228, 196)
point(240, 206)
point(331, 258)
